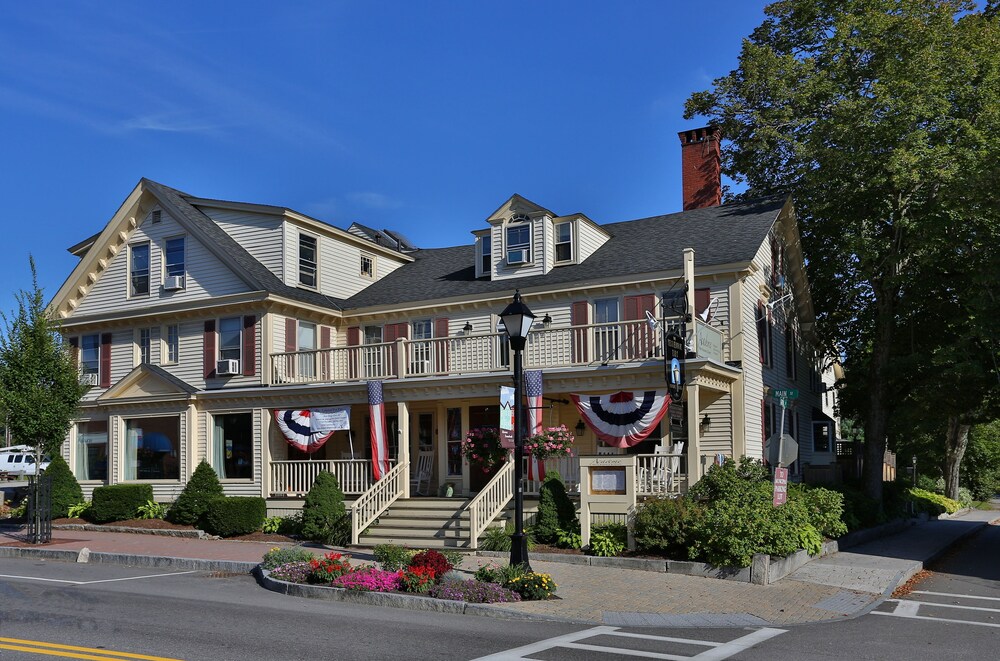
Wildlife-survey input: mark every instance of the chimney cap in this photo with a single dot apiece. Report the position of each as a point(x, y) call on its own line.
point(699, 134)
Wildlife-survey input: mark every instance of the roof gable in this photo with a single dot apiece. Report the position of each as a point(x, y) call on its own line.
point(147, 381)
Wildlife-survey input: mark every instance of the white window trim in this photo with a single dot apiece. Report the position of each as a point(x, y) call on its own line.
point(483, 242)
point(556, 243)
point(121, 425)
point(79, 351)
point(165, 344)
point(361, 269)
point(149, 269)
point(163, 265)
point(519, 220)
point(218, 339)
point(298, 260)
point(137, 345)
point(253, 445)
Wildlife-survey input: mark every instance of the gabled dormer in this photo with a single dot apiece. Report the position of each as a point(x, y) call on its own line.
point(525, 239)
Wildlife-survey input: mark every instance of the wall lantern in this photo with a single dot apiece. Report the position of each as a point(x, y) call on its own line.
point(546, 321)
point(467, 328)
point(706, 425)
point(580, 428)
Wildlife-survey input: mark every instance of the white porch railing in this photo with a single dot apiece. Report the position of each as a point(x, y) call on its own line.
point(567, 467)
point(297, 477)
point(660, 475)
point(376, 500)
point(573, 346)
point(489, 502)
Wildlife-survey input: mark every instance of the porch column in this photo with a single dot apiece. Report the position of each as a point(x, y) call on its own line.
point(265, 452)
point(694, 435)
point(403, 444)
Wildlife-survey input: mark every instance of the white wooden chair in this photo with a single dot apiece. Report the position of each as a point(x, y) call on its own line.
point(607, 449)
point(420, 474)
point(676, 450)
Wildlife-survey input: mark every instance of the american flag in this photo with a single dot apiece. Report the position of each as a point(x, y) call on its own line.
point(380, 444)
point(533, 391)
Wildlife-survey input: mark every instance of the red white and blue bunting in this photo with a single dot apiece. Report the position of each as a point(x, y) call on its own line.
point(309, 429)
point(625, 418)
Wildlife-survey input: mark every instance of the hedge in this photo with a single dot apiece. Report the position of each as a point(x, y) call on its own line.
point(66, 490)
point(119, 502)
point(227, 516)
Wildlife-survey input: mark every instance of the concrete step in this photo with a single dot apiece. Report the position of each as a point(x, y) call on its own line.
point(414, 542)
point(393, 530)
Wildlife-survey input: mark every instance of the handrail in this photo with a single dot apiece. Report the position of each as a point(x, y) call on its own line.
point(489, 502)
point(377, 499)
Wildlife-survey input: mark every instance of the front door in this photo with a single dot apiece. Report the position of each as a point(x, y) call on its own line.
point(482, 416)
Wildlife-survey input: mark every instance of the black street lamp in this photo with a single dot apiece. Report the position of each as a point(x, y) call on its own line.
point(517, 319)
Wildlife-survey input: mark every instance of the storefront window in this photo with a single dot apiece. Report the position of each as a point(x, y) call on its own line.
point(152, 448)
point(232, 455)
point(92, 450)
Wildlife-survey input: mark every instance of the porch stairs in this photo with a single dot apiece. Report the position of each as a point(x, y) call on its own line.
point(428, 523)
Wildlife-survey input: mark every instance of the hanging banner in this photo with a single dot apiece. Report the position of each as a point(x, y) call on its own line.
point(380, 442)
point(309, 429)
point(533, 390)
point(506, 417)
point(625, 418)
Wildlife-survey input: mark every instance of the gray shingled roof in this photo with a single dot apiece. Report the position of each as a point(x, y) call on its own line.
point(727, 234)
point(256, 274)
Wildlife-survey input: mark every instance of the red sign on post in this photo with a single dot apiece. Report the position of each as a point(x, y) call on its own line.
point(780, 486)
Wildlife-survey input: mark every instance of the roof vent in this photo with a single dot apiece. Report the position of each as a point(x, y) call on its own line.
point(155, 216)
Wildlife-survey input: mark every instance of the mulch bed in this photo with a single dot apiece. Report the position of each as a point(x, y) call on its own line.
point(545, 548)
point(160, 524)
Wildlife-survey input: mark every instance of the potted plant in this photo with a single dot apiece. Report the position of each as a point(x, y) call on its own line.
point(482, 448)
point(552, 442)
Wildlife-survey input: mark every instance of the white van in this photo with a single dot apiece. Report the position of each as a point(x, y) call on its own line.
point(19, 460)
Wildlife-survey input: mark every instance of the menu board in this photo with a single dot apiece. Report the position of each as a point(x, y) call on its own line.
point(607, 481)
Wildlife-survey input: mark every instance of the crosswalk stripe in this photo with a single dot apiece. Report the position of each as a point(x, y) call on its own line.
point(956, 596)
point(937, 619)
point(937, 605)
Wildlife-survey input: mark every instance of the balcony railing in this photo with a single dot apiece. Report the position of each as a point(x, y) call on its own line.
point(573, 346)
point(297, 477)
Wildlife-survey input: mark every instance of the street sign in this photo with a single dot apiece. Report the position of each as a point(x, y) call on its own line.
point(780, 486)
point(781, 449)
point(787, 393)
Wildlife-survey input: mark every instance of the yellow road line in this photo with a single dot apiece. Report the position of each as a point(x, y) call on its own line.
point(72, 651)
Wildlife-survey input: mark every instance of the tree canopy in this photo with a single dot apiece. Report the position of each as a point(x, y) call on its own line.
point(882, 119)
point(39, 385)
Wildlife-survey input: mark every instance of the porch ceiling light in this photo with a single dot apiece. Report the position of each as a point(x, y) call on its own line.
point(517, 319)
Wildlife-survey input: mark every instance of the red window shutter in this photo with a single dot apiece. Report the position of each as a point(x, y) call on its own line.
point(291, 332)
point(249, 345)
point(702, 299)
point(208, 351)
point(441, 327)
point(402, 331)
point(762, 332)
point(353, 336)
point(640, 336)
point(105, 368)
point(389, 333)
point(324, 337)
point(579, 314)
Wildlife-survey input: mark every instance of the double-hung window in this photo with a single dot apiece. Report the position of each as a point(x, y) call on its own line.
point(607, 333)
point(230, 338)
point(306, 341)
point(420, 346)
point(519, 240)
point(144, 344)
point(367, 266)
point(486, 254)
point(174, 257)
point(307, 260)
point(90, 355)
point(564, 242)
point(139, 269)
point(172, 344)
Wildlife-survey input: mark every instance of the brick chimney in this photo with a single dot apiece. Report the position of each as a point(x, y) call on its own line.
point(701, 169)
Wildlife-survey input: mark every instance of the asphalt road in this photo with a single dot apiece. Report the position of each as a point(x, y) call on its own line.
point(105, 612)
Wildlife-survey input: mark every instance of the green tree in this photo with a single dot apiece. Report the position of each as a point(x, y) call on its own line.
point(201, 489)
point(882, 119)
point(66, 491)
point(324, 516)
point(981, 468)
point(39, 386)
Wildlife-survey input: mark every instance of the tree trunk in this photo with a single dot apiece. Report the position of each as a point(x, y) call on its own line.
point(955, 442)
point(876, 421)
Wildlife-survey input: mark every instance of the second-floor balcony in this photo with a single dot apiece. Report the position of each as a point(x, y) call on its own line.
point(573, 346)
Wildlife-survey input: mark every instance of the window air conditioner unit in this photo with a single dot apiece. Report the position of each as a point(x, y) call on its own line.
point(88, 379)
point(227, 367)
point(517, 256)
point(173, 282)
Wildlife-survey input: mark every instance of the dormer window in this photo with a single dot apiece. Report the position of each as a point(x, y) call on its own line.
point(518, 234)
point(139, 269)
point(307, 260)
point(367, 266)
point(564, 242)
point(485, 254)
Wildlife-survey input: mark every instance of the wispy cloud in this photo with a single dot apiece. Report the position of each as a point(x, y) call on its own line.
point(167, 123)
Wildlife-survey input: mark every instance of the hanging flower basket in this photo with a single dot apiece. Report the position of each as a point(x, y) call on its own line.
point(482, 448)
point(553, 442)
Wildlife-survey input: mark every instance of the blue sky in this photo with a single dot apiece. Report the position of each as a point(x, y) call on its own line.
point(421, 117)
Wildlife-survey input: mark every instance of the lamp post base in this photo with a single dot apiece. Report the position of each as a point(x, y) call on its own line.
point(519, 551)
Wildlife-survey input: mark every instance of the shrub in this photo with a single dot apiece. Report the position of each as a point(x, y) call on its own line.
point(498, 539)
point(608, 540)
point(228, 516)
point(328, 568)
point(368, 579)
point(392, 557)
point(500, 574)
point(324, 517)
point(981, 464)
point(932, 503)
point(824, 506)
point(532, 586)
point(416, 579)
point(66, 490)
point(555, 509)
point(119, 502)
point(191, 505)
point(663, 525)
point(474, 592)
point(810, 539)
point(151, 510)
point(860, 511)
point(278, 556)
point(432, 560)
point(292, 572)
point(79, 511)
point(729, 479)
point(453, 556)
point(568, 539)
point(965, 499)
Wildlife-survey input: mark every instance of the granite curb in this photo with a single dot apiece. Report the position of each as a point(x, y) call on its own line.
point(162, 532)
point(85, 555)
